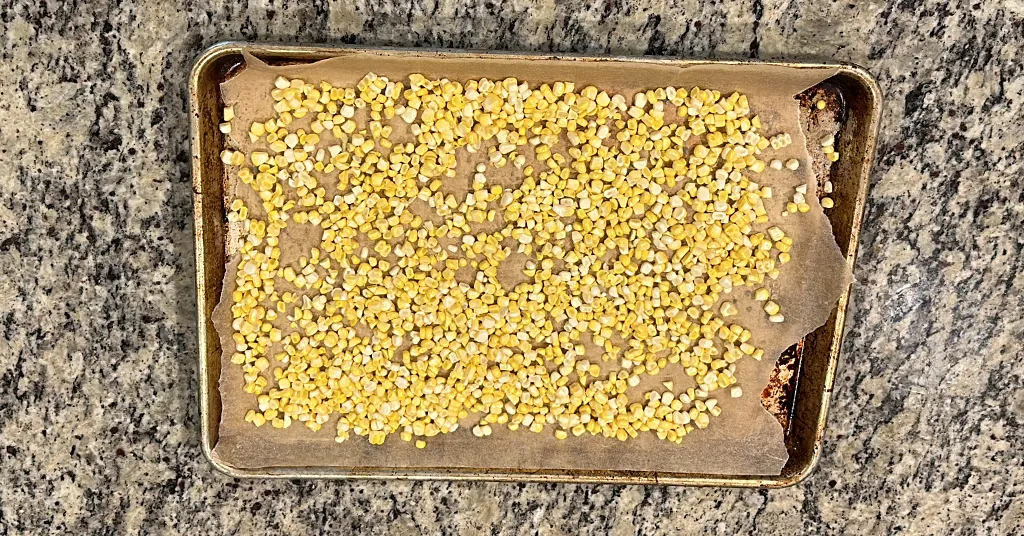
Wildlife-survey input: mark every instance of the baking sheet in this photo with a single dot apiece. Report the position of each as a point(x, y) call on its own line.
point(745, 439)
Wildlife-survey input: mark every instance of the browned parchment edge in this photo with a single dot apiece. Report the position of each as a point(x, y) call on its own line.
point(202, 124)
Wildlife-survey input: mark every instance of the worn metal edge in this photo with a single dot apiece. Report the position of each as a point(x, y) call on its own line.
point(870, 84)
point(199, 66)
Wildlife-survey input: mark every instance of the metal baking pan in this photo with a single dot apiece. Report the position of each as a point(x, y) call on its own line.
point(798, 393)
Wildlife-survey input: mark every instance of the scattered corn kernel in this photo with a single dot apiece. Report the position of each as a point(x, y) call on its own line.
point(728, 309)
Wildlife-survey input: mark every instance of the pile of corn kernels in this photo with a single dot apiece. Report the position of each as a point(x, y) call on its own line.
point(637, 219)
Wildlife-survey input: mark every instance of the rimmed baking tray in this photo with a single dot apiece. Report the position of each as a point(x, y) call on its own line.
point(798, 393)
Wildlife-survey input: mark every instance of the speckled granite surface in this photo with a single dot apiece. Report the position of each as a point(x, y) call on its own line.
point(98, 421)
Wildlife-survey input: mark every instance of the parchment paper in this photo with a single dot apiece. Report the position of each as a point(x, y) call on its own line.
point(745, 440)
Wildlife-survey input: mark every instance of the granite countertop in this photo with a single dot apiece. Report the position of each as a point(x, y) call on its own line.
point(98, 413)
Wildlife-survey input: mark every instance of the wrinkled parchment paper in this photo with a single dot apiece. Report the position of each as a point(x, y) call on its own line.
point(745, 440)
